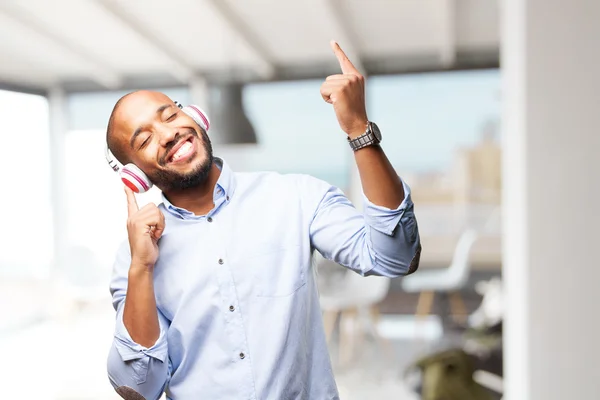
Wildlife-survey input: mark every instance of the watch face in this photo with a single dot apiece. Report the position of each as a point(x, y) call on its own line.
point(376, 131)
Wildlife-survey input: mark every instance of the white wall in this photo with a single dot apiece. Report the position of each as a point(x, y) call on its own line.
point(551, 89)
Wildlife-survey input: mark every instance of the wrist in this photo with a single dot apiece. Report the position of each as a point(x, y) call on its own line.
point(357, 130)
point(138, 268)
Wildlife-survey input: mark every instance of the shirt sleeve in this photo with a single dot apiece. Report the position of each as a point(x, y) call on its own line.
point(377, 241)
point(132, 366)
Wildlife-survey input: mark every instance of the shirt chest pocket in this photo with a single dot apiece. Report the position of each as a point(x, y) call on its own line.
point(275, 272)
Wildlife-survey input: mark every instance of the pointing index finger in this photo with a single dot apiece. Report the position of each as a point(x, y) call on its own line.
point(345, 64)
point(132, 206)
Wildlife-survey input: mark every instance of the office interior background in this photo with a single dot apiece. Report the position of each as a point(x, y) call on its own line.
point(488, 112)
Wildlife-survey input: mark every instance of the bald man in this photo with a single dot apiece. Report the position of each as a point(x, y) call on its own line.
point(214, 289)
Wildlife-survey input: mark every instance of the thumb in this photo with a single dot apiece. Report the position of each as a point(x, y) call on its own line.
point(159, 228)
point(158, 231)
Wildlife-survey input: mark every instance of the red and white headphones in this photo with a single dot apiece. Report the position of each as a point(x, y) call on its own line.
point(133, 177)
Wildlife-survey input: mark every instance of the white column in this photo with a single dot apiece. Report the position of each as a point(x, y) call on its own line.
point(551, 167)
point(199, 93)
point(58, 130)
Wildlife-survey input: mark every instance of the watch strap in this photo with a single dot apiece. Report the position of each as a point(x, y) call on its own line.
point(365, 140)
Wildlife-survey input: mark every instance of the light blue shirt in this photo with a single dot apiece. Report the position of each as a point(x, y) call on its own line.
point(236, 294)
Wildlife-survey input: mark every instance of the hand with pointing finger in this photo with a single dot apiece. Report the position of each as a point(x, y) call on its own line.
point(144, 227)
point(346, 91)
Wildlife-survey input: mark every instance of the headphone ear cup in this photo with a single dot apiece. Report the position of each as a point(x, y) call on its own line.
point(198, 115)
point(135, 179)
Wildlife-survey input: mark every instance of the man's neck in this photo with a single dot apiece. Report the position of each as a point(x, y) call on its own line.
point(199, 200)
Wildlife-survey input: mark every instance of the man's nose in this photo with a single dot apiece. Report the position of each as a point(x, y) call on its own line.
point(166, 134)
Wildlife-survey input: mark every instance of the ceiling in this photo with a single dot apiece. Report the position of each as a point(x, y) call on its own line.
point(87, 45)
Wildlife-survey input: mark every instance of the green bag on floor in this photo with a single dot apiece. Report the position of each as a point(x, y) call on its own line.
point(448, 375)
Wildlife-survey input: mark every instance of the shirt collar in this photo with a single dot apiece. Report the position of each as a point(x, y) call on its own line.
point(224, 189)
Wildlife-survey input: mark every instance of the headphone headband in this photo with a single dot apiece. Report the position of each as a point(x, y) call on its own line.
point(112, 160)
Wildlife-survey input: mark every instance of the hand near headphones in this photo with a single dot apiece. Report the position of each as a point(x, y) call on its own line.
point(144, 227)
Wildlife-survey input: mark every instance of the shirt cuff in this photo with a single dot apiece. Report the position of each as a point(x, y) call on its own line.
point(130, 350)
point(383, 219)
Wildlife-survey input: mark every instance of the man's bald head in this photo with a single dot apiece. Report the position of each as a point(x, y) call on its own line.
point(114, 144)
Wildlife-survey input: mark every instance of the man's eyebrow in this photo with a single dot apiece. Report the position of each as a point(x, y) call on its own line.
point(139, 130)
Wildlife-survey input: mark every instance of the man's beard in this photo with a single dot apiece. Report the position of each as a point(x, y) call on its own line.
point(169, 181)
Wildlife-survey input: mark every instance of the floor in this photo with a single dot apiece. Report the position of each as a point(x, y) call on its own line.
point(54, 350)
point(377, 371)
point(64, 358)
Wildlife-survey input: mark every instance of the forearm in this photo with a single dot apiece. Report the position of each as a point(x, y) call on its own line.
point(134, 361)
point(140, 315)
point(380, 182)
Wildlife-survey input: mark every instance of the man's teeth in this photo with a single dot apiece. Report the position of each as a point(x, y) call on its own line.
point(183, 150)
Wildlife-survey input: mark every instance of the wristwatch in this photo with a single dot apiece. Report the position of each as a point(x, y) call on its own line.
point(372, 136)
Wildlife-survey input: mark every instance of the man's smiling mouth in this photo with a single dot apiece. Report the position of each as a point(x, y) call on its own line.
point(181, 151)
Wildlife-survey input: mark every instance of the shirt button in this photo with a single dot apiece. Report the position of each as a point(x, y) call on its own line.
point(227, 198)
point(209, 219)
point(221, 261)
point(242, 356)
point(231, 308)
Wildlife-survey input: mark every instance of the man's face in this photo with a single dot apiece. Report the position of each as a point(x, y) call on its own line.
point(163, 141)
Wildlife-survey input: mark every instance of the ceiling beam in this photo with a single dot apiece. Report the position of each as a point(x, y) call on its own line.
point(19, 88)
point(466, 60)
point(266, 67)
point(182, 71)
point(98, 70)
point(448, 33)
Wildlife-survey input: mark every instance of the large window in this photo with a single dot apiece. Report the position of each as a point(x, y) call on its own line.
point(441, 132)
point(26, 232)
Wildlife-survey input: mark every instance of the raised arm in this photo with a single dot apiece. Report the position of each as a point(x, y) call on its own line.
point(385, 239)
point(346, 92)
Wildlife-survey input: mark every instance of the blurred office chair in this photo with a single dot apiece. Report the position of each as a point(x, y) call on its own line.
point(354, 299)
point(490, 312)
point(449, 280)
point(450, 374)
